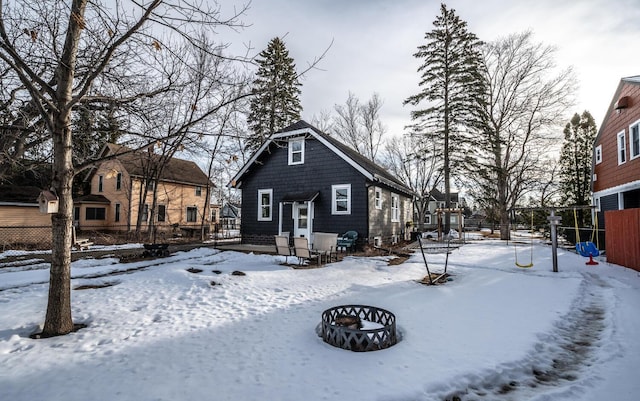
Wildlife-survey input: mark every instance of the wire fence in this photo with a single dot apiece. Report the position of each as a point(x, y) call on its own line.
point(16, 240)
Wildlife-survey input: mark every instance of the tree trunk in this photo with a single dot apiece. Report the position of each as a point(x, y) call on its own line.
point(504, 223)
point(58, 319)
point(505, 233)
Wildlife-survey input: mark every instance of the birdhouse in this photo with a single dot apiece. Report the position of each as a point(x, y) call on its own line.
point(48, 202)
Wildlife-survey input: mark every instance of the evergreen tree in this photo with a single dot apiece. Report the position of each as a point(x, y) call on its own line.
point(450, 81)
point(575, 162)
point(276, 102)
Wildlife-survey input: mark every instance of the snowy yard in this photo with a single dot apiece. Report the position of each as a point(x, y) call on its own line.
point(494, 332)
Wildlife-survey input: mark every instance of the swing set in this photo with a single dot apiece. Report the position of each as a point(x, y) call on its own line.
point(515, 249)
point(587, 248)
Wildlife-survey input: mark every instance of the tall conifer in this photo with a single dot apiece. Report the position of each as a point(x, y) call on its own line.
point(450, 86)
point(575, 161)
point(276, 102)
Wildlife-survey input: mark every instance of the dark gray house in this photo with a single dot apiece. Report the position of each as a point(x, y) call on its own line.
point(303, 181)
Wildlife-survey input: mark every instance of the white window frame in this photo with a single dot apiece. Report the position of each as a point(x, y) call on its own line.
point(621, 145)
point(395, 208)
point(377, 198)
point(292, 142)
point(198, 191)
point(633, 154)
point(427, 219)
point(269, 206)
point(334, 199)
point(598, 153)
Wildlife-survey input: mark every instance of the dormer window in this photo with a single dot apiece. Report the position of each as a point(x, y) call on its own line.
point(296, 151)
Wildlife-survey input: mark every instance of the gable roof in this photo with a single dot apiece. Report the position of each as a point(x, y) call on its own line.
point(176, 170)
point(633, 80)
point(438, 196)
point(372, 171)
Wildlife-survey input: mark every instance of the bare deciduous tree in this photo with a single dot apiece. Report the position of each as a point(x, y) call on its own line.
point(419, 170)
point(67, 53)
point(359, 125)
point(526, 99)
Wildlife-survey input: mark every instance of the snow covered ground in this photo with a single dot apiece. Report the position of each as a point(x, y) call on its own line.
point(159, 332)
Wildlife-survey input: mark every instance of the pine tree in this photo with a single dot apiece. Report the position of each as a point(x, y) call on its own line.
point(276, 102)
point(450, 82)
point(575, 161)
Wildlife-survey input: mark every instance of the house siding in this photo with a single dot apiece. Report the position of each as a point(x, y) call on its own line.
point(609, 173)
point(272, 171)
point(175, 196)
point(617, 186)
point(24, 225)
point(380, 224)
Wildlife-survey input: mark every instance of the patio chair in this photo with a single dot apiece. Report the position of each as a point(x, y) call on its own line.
point(282, 247)
point(348, 240)
point(326, 244)
point(302, 251)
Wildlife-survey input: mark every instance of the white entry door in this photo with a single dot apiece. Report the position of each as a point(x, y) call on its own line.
point(301, 220)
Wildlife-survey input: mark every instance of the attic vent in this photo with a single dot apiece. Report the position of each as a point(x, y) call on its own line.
point(622, 103)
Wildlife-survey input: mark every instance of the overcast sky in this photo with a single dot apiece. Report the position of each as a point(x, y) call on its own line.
point(374, 42)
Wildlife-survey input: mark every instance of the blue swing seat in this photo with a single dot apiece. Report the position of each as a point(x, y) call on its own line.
point(587, 249)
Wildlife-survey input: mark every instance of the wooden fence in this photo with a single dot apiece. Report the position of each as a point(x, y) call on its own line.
point(623, 237)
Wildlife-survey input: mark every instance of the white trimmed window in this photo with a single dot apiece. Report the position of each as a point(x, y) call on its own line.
point(634, 140)
point(622, 148)
point(378, 198)
point(598, 154)
point(341, 199)
point(296, 151)
point(395, 208)
point(265, 197)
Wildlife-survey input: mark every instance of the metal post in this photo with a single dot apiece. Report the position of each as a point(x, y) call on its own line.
point(554, 221)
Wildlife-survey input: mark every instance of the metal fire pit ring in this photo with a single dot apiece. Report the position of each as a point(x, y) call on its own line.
point(359, 339)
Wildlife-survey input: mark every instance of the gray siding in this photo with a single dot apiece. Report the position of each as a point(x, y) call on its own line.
point(321, 169)
point(609, 202)
point(380, 224)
